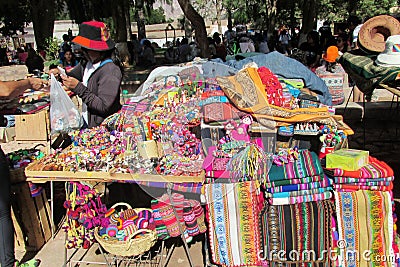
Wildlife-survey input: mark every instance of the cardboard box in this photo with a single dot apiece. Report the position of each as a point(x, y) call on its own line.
point(32, 127)
point(347, 159)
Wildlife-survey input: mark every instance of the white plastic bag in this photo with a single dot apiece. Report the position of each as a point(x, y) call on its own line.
point(64, 116)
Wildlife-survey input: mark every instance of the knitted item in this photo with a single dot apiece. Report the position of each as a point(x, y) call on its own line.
point(111, 230)
point(114, 218)
point(129, 229)
point(169, 219)
point(190, 220)
point(129, 214)
point(199, 214)
point(160, 227)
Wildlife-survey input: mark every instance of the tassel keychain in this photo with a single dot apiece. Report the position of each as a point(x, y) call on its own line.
point(248, 164)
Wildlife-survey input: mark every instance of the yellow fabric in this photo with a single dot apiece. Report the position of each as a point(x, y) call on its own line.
point(246, 91)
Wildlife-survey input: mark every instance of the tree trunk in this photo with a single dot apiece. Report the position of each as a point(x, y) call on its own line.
point(198, 25)
point(218, 5)
point(140, 19)
point(309, 16)
point(43, 16)
point(271, 10)
point(118, 8)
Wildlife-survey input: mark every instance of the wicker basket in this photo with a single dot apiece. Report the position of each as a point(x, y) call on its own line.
point(132, 246)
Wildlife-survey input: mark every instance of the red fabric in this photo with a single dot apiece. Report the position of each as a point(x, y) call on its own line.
point(273, 87)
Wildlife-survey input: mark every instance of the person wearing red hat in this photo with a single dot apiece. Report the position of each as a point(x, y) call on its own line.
point(96, 80)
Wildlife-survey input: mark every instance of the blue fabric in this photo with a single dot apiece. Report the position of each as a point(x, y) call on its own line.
point(282, 66)
point(212, 69)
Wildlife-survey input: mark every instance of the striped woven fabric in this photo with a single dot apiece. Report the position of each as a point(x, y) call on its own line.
point(300, 199)
point(232, 214)
point(365, 225)
point(297, 187)
point(307, 164)
point(301, 233)
point(375, 169)
point(366, 181)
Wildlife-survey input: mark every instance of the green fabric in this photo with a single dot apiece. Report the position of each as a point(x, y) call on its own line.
point(30, 263)
point(365, 73)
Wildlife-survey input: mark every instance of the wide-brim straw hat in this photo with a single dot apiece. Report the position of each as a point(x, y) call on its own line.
point(94, 35)
point(374, 32)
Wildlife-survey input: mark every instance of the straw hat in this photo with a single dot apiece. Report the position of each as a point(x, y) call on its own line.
point(332, 53)
point(94, 35)
point(375, 31)
point(391, 56)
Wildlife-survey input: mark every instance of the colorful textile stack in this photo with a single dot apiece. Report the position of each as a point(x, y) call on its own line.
point(366, 229)
point(232, 215)
point(189, 212)
point(377, 175)
point(297, 181)
point(297, 233)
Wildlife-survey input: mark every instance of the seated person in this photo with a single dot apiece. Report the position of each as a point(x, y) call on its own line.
point(69, 61)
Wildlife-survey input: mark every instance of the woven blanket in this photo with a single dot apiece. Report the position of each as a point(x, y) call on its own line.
point(300, 199)
point(375, 169)
point(365, 225)
point(352, 187)
point(310, 179)
point(232, 214)
point(350, 180)
point(307, 164)
point(247, 93)
point(369, 75)
point(297, 193)
point(296, 187)
point(301, 231)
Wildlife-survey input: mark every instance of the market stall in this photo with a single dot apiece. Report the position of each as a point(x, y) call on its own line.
point(262, 150)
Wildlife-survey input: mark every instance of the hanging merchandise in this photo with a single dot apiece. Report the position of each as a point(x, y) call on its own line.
point(85, 212)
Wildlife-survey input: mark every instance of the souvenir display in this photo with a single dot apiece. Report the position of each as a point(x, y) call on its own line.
point(270, 155)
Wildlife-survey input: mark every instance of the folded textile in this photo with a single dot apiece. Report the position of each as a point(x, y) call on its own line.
point(232, 214)
point(315, 178)
point(307, 164)
point(296, 187)
point(374, 169)
point(365, 224)
point(180, 187)
point(300, 199)
point(297, 230)
point(349, 187)
point(247, 92)
point(221, 112)
point(350, 180)
point(369, 74)
point(371, 183)
point(297, 193)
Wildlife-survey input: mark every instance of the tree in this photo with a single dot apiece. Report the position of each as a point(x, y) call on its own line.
point(198, 24)
point(15, 15)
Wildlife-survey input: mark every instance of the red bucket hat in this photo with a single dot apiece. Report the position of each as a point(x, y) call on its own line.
point(94, 35)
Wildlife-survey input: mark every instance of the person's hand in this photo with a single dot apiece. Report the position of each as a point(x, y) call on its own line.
point(36, 83)
point(55, 72)
point(69, 82)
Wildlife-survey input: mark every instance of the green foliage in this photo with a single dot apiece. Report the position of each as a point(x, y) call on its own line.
point(51, 47)
point(14, 15)
point(151, 16)
point(156, 16)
